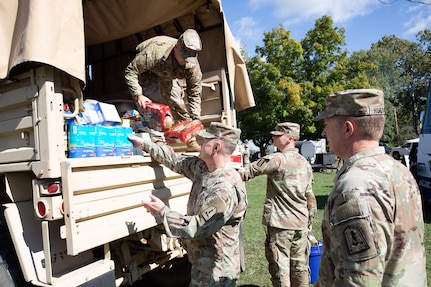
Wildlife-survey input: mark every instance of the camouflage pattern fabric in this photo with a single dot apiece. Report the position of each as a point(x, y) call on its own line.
point(289, 196)
point(284, 250)
point(287, 128)
point(221, 131)
point(289, 205)
point(211, 230)
point(155, 57)
point(373, 228)
point(355, 102)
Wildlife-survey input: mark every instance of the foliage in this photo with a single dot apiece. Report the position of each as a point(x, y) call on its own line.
point(277, 96)
point(410, 78)
point(291, 80)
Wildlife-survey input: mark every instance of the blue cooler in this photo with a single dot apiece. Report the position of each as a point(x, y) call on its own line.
point(314, 260)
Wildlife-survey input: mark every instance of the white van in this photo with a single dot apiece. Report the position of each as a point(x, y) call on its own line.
point(398, 152)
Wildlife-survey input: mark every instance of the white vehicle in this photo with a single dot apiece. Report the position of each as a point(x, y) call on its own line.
point(404, 150)
point(423, 173)
point(79, 221)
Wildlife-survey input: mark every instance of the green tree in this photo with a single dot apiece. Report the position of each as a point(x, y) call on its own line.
point(322, 50)
point(277, 94)
point(322, 72)
point(404, 69)
point(291, 79)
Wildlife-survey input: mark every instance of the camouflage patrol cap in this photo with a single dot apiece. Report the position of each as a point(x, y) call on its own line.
point(356, 103)
point(287, 128)
point(221, 131)
point(190, 44)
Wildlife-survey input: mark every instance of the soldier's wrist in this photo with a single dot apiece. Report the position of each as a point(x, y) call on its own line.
point(136, 97)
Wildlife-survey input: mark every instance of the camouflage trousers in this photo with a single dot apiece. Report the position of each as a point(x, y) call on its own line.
point(169, 92)
point(287, 253)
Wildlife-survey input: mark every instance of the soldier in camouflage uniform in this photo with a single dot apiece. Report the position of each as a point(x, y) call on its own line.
point(164, 60)
point(373, 228)
point(211, 229)
point(289, 207)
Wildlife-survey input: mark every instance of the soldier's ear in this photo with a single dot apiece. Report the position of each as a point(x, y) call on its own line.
point(349, 127)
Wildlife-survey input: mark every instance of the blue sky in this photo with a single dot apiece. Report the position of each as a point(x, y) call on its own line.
point(364, 21)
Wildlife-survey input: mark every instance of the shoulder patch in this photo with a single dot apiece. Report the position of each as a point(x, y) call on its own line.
point(262, 163)
point(209, 212)
point(355, 239)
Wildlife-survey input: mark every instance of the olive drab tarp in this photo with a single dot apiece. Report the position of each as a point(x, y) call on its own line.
point(58, 33)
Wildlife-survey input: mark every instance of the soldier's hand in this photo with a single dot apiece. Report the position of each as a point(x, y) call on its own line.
point(156, 136)
point(138, 142)
point(310, 228)
point(153, 205)
point(141, 102)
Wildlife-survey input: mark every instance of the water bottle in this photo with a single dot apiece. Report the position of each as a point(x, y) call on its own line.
point(312, 239)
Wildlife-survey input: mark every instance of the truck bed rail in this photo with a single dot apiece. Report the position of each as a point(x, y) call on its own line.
point(101, 206)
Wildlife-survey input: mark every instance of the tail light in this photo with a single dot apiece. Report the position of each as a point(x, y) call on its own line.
point(48, 199)
point(42, 209)
point(62, 208)
point(53, 187)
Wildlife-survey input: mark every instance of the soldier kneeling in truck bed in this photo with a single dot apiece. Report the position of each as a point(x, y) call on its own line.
point(164, 60)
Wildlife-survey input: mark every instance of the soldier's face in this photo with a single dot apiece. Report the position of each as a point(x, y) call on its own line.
point(280, 141)
point(207, 147)
point(178, 56)
point(332, 132)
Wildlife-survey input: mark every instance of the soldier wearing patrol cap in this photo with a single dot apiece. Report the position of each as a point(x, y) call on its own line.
point(373, 228)
point(289, 207)
point(157, 65)
point(211, 228)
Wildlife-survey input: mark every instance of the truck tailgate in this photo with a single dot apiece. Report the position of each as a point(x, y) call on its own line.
point(102, 198)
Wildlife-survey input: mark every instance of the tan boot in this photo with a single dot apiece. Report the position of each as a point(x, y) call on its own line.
point(193, 146)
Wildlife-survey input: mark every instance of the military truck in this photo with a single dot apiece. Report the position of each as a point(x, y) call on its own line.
point(79, 221)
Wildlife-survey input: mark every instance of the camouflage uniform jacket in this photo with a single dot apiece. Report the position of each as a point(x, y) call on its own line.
point(289, 198)
point(373, 228)
point(215, 211)
point(156, 55)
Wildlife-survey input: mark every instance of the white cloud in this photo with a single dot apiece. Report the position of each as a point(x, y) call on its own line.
point(301, 11)
point(417, 23)
point(246, 27)
point(419, 19)
point(404, 18)
point(246, 30)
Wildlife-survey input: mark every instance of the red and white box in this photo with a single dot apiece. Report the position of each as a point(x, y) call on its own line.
point(157, 117)
point(183, 131)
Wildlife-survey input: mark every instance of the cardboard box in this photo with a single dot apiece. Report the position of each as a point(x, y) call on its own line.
point(123, 147)
point(183, 131)
point(90, 113)
point(81, 141)
point(157, 117)
point(108, 114)
point(105, 141)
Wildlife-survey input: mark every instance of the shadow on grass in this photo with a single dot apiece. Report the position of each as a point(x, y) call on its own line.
point(321, 201)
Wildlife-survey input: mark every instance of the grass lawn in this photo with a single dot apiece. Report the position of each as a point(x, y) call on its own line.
point(256, 272)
